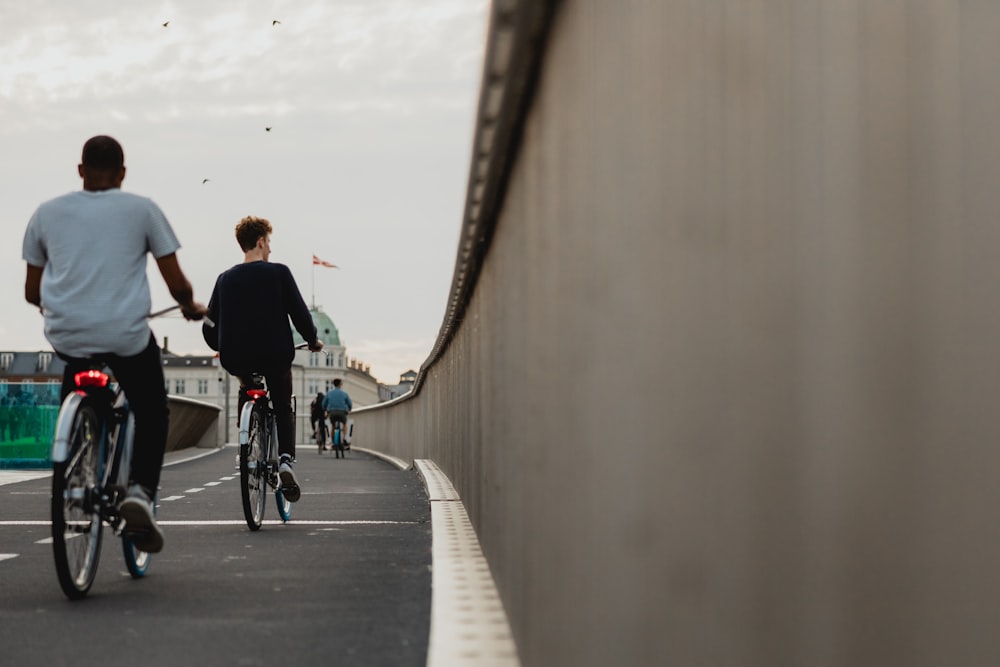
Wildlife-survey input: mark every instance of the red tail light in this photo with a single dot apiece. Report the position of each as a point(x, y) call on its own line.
point(256, 393)
point(91, 379)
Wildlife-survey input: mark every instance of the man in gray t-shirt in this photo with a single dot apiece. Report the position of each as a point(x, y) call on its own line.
point(86, 271)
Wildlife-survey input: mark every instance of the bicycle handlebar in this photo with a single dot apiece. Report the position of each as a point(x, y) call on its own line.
point(206, 319)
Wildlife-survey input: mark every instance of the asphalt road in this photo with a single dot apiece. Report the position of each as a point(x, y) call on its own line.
point(346, 582)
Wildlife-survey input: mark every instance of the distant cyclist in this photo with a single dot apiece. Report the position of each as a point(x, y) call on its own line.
point(338, 404)
point(86, 255)
point(317, 415)
point(251, 305)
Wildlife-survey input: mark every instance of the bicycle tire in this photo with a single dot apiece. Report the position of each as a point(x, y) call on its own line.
point(284, 506)
point(253, 470)
point(136, 560)
point(76, 519)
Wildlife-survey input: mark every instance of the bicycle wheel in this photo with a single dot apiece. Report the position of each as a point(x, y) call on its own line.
point(284, 506)
point(253, 471)
point(76, 517)
point(136, 560)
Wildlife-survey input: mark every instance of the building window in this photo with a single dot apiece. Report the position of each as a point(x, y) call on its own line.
point(340, 360)
point(179, 386)
point(314, 358)
point(202, 387)
point(44, 361)
point(6, 359)
point(313, 387)
point(329, 360)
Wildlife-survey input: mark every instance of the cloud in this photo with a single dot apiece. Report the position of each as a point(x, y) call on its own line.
point(333, 57)
point(372, 106)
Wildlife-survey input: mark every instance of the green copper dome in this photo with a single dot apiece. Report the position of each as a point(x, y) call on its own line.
point(324, 325)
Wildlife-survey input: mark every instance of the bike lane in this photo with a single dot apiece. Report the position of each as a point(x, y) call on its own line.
point(347, 581)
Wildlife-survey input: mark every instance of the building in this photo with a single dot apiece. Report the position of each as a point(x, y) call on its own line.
point(406, 382)
point(30, 378)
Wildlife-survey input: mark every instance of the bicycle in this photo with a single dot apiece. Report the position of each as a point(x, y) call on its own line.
point(338, 439)
point(258, 455)
point(91, 462)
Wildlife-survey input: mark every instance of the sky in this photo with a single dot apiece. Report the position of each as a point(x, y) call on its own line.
point(371, 105)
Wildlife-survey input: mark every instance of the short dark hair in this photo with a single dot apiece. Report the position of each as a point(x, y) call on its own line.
point(336, 382)
point(103, 152)
point(249, 229)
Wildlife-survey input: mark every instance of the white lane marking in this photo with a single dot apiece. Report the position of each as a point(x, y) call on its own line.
point(193, 457)
point(196, 489)
point(212, 483)
point(226, 479)
point(240, 522)
point(163, 500)
point(7, 556)
point(14, 476)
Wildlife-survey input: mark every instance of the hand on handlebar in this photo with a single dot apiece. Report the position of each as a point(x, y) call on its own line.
point(193, 311)
point(317, 346)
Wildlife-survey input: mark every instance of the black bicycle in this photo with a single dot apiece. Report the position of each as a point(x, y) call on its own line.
point(91, 463)
point(259, 455)
point(91, 459)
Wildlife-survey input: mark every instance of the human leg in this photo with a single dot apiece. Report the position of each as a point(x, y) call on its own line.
point(279, 382)
point(141, 377)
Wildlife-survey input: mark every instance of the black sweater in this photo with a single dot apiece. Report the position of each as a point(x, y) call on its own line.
point(250, 305)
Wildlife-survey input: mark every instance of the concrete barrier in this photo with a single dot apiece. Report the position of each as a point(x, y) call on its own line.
point(719, 373)
point(192, 423)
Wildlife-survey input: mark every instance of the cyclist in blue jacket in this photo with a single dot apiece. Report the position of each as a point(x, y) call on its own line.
point(337, 404)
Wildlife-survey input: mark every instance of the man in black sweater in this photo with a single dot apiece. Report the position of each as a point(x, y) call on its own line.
point(250, 306)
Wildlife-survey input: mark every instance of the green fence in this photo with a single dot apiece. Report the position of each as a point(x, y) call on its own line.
point(27, 421)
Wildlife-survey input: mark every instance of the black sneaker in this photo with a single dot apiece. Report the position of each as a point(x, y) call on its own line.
point(140, 525)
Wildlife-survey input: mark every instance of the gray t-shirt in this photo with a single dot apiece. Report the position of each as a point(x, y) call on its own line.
point(92, 246)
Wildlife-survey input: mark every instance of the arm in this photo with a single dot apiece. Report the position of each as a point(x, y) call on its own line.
point(299, 313)
point(179, 286)
point(211, 333)
point(33, 285)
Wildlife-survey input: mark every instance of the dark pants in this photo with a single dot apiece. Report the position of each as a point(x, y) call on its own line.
point(141, 378)
point(279, 384)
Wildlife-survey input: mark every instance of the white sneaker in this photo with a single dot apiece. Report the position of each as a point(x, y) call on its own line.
point(289, 485)
point(140, 524)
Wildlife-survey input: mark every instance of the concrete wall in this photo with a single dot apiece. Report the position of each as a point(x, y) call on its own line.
point(725, 390)
point(192, 423)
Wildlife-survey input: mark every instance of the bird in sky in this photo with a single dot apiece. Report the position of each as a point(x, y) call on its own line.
point(205, 180)
point(275, 22)
point(166, 23)
point(267, 129)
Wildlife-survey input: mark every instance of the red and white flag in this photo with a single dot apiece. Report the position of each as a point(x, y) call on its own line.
point(321, 262)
